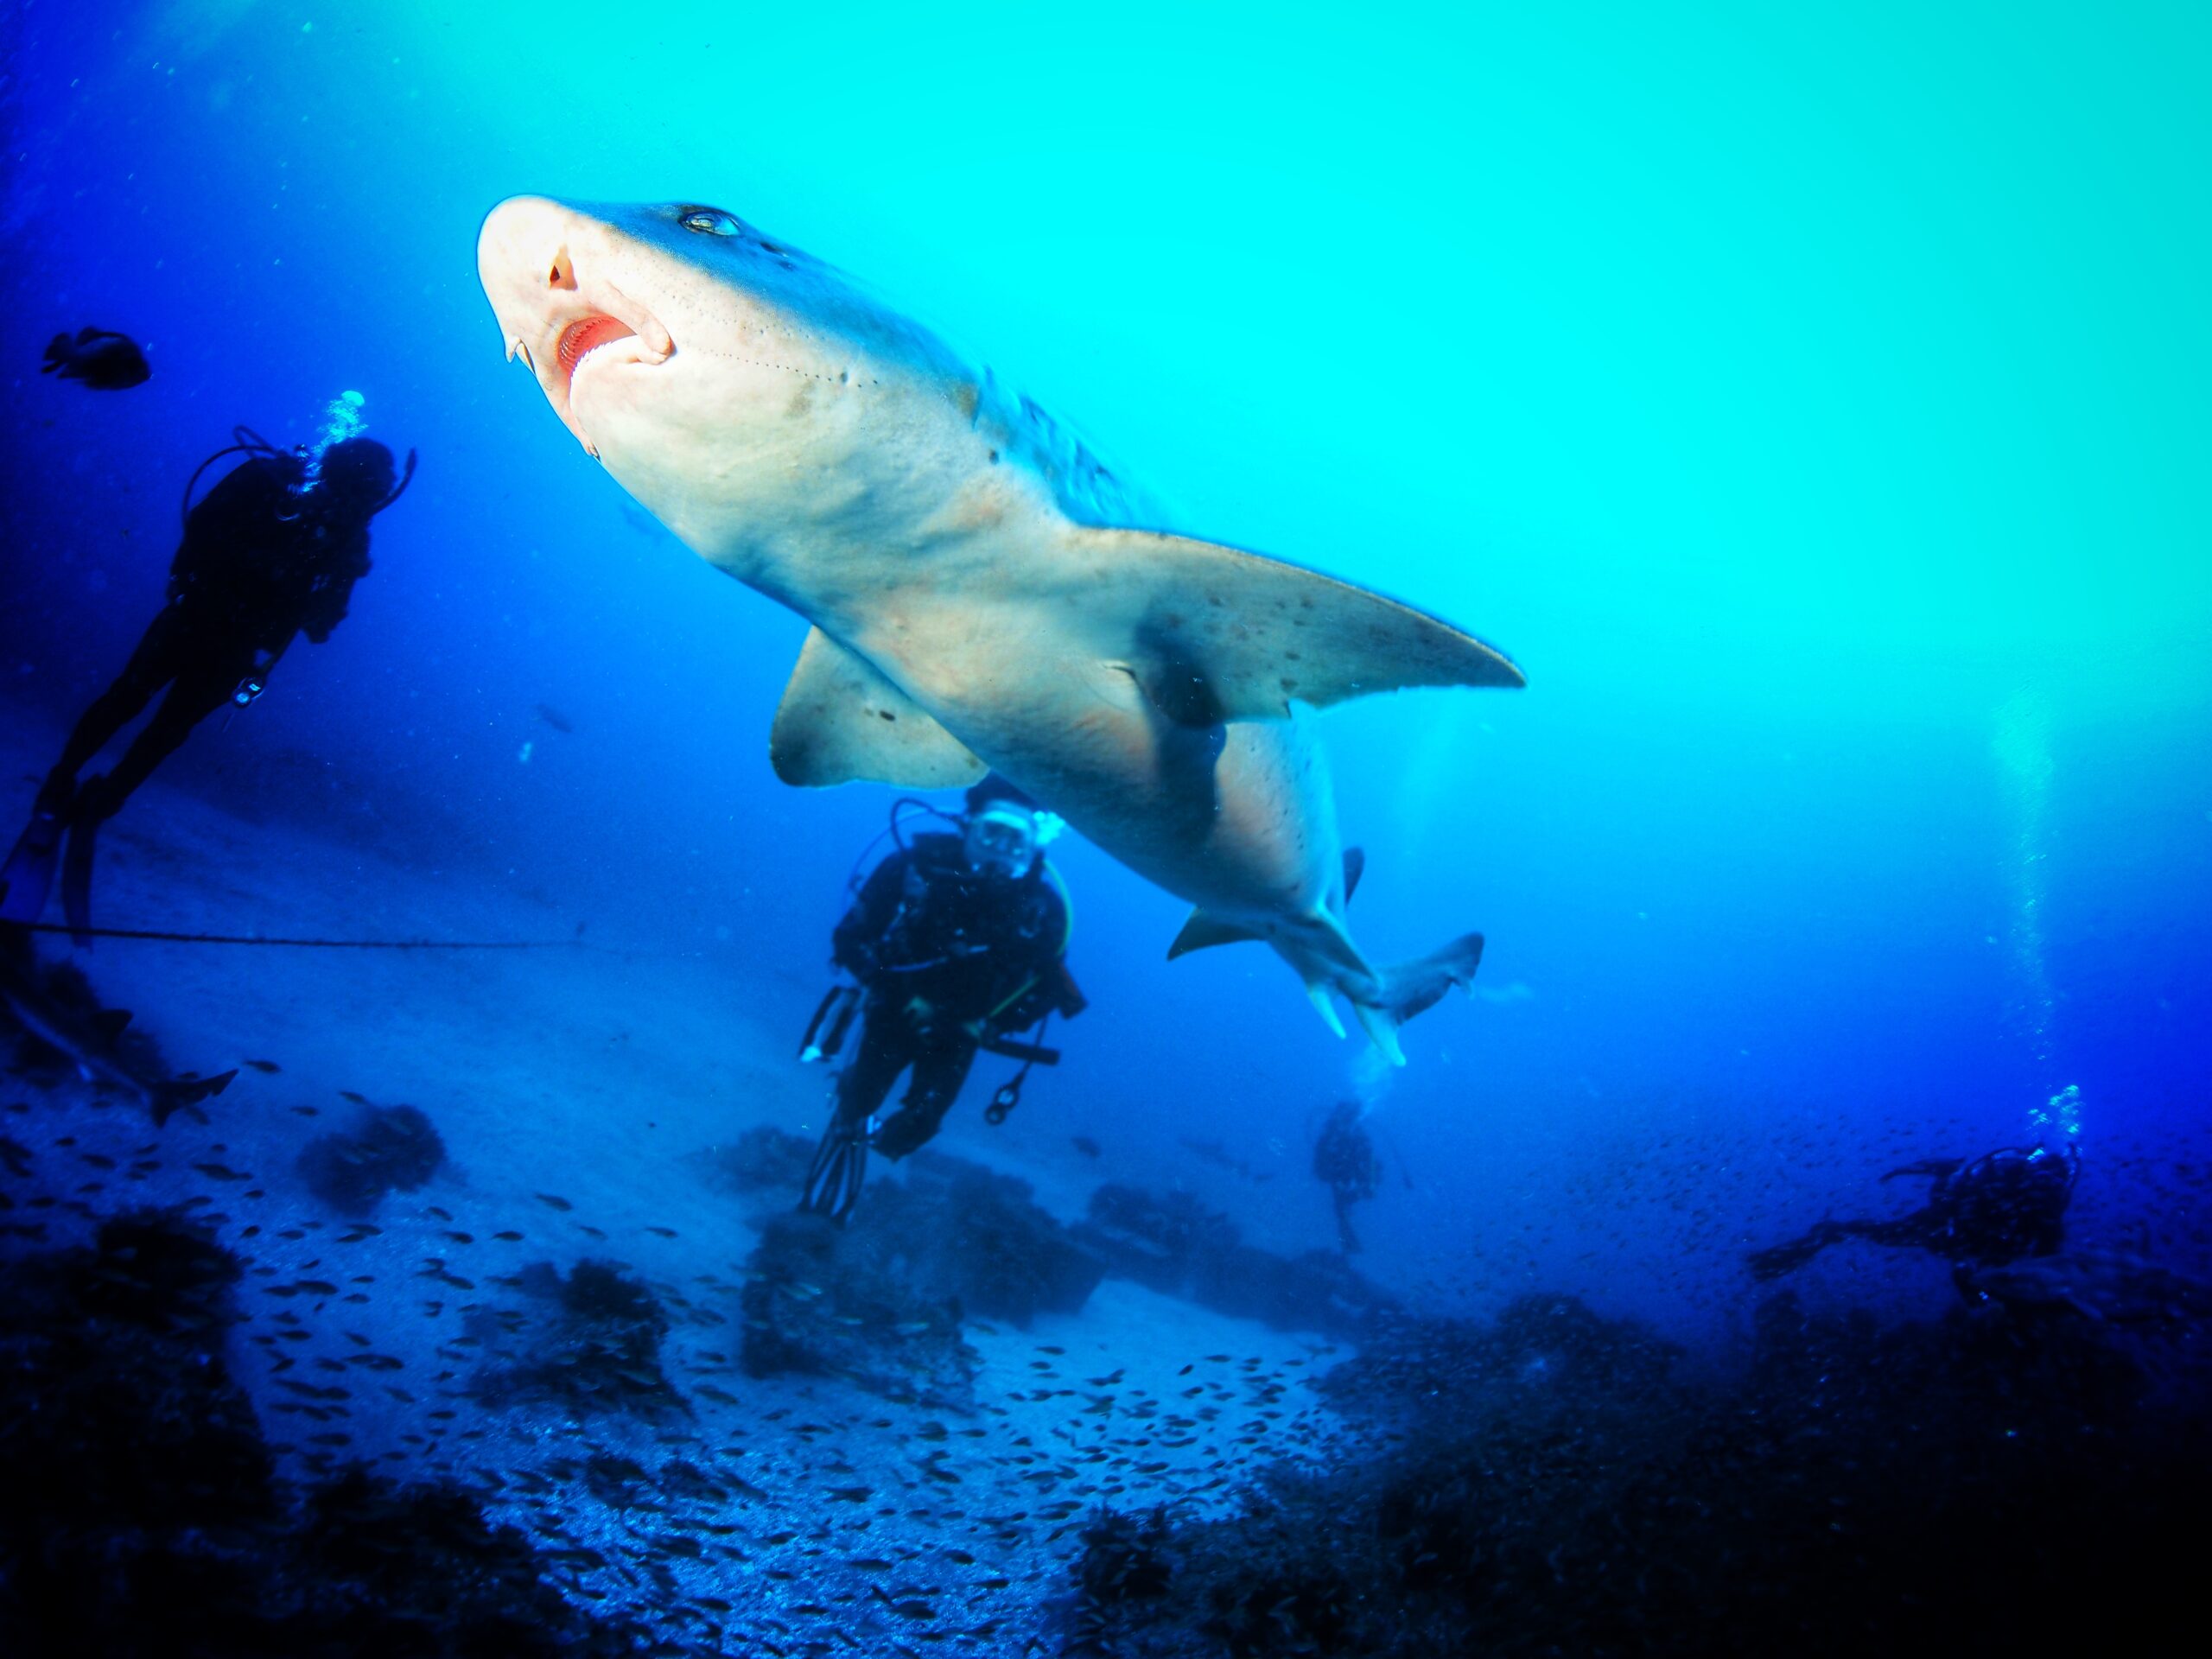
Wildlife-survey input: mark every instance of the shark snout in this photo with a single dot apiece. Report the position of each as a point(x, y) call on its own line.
point(546, 269)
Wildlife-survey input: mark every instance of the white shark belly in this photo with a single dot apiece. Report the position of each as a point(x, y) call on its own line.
point(1236, 818)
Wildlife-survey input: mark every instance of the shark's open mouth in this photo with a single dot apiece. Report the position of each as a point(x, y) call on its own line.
point(548, 273)
point(585, 335)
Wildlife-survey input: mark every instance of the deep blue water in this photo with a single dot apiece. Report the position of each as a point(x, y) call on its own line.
point(1858, 802)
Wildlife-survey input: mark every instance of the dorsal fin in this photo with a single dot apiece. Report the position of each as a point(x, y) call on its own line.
point(110, 1023)
point(1355, 866)
point(842, 721)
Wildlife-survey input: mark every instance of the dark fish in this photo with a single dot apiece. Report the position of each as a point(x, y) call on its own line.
point(558, 1204)
point(665, 1232)
point(1086, 1145)
point(510, 1237)
point(358, 1099)
point(266, 1065)
point(555, 718)
point(104, 360)
point(307, 1111)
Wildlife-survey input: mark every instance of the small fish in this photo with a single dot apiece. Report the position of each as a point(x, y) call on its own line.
point(555, 718)
point(665, 1232)
point(358, 1099)
point(307, 1111)
point(558, 1203)
point(104, 360)
point(511, 1236)
point(269, 1066)
point(221, 1173)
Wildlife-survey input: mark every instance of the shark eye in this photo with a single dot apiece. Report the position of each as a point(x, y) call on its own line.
point(709, 221)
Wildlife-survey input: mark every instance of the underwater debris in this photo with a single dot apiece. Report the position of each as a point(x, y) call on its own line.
point(394, 1149)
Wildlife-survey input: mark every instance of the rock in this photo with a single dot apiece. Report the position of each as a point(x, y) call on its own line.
point(599, 1351)
point(818, 1304)
point(1173, 1244)
point(394, 1149)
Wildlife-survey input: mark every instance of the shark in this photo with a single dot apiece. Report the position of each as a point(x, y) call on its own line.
point(55, 1008)
point(984, 593)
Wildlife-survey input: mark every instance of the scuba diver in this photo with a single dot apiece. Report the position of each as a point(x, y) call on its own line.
point(1983, 1213)
point(273, 551)
point(1344, 1162)
point(956, 942)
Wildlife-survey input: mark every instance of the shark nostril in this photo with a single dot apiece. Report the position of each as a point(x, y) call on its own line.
point(561, 273)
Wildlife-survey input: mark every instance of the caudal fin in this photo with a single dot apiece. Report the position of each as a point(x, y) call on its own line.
point(1412, 987)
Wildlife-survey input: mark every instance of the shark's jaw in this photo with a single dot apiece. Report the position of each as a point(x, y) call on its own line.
point(550, 275)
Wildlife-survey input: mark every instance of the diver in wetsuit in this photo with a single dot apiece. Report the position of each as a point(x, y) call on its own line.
point(272, 551)
point(956, 941)
point(1344, 1162)
point(1995, 1208)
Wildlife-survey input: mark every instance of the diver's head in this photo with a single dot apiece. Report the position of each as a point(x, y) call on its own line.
point(359, 477)
point(1004, 830)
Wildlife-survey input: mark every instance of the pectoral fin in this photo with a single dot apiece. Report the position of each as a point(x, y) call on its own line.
point(842, 721)
point(1213, 634)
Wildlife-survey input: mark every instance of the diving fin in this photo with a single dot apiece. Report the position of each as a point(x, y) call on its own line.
point(840, 1166)
point(27, 876)
point(77, 880)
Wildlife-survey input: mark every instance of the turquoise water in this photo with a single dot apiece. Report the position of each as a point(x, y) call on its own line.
point(1811, 401)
